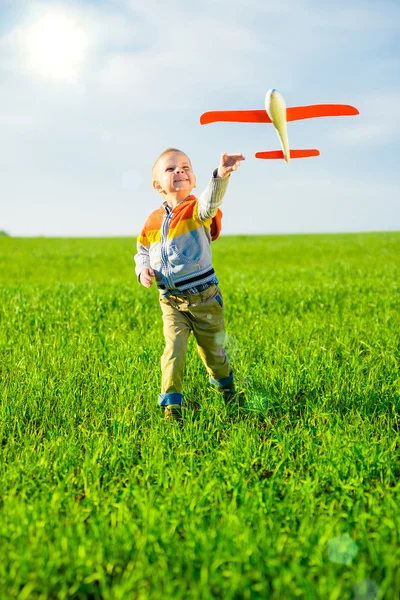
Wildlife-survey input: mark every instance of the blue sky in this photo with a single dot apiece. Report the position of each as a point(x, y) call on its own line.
point(92, 92)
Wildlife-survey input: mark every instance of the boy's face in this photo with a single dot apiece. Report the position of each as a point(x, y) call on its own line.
point(174, 176)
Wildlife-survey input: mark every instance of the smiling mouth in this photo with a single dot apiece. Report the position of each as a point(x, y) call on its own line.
point(180, 180)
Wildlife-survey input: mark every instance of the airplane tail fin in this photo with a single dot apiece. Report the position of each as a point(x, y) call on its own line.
point(293, 154)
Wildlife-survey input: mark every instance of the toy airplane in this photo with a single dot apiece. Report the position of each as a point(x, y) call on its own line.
point(276, 113)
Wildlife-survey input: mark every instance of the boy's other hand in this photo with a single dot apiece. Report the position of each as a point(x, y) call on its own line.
point(146, 277)
point(229, 163)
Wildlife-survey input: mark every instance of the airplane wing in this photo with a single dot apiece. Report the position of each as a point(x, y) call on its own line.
point(295, 113)
point(237, 116)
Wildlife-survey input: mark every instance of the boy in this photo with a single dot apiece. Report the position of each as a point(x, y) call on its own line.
point(174, 248)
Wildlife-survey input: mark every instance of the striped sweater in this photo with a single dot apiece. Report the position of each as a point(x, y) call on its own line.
point(176, 242)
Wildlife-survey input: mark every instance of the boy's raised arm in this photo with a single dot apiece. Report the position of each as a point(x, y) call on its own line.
point(212, 196)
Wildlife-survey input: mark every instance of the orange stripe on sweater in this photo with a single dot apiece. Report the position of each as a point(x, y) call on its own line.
point(188, 220)
point(185, 221)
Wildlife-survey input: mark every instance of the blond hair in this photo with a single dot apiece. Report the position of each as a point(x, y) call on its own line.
point(167, 151)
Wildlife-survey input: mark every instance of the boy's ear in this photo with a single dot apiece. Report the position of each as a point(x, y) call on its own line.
point(157, 186)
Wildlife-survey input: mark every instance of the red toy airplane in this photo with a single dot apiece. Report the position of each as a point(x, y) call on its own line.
point(276, 113)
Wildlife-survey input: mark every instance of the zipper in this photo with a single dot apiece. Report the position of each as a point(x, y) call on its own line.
point(164, 255)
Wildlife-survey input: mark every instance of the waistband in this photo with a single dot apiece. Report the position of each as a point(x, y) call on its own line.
point(180, 297)
point(194, 290)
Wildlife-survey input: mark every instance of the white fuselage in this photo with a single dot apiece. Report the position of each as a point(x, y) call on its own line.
point(276, 110)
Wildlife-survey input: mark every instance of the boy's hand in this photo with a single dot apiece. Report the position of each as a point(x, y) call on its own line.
point(229, 163)
point(146, 277)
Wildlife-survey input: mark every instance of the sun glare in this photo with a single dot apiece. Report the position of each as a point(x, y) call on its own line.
point(56, 46)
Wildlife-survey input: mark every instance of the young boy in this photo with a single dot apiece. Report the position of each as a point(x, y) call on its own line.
point(174, 248)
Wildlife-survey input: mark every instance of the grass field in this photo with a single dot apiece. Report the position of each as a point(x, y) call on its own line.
point(295, 496)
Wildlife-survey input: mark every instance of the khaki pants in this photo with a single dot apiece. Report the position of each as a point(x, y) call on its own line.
point(203, 314)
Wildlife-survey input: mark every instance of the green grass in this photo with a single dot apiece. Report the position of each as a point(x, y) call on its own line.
point(102, 499)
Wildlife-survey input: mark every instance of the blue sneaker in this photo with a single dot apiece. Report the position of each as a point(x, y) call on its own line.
point(173, 412)
point(228, 393)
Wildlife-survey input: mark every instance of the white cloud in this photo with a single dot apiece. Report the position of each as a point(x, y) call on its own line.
point(17, 122)
point(378, 122)
point(168, 75)
point(320, 204)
